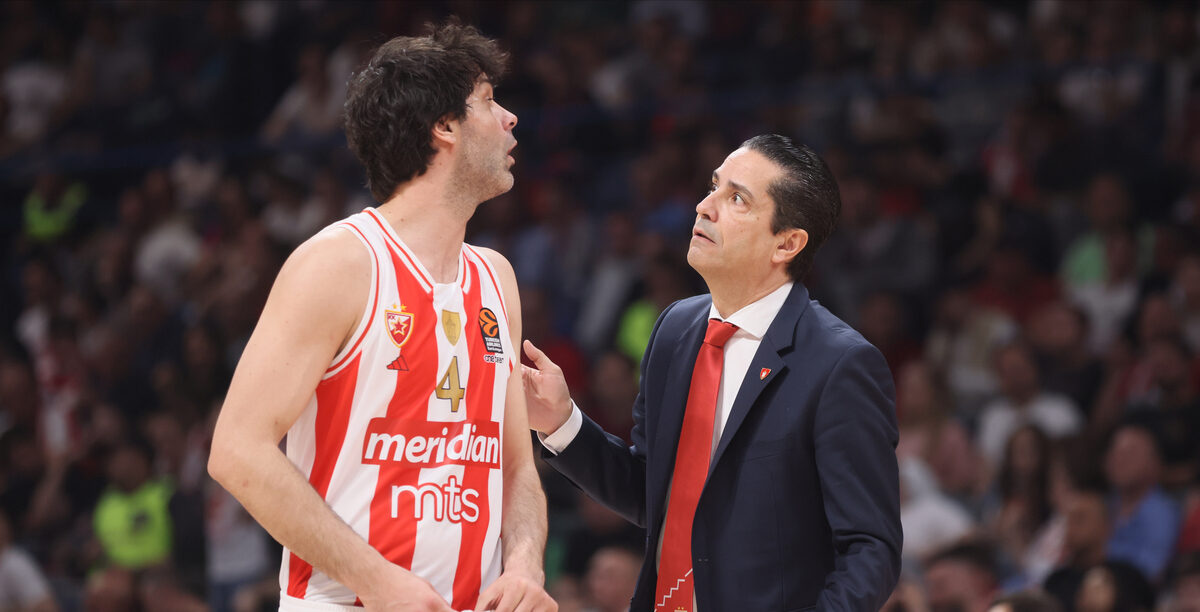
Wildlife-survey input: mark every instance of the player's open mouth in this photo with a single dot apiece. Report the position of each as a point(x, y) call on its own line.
point(699, 234)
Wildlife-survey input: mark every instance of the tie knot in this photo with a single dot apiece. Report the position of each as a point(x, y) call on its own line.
point(719, 332)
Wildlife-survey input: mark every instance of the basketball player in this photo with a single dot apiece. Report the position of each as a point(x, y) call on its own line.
point(385, 352)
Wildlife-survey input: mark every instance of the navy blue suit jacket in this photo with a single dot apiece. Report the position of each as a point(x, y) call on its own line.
point(801, 508)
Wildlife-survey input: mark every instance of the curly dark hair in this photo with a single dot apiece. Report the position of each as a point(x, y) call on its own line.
point(409, 85)
point(806, 196)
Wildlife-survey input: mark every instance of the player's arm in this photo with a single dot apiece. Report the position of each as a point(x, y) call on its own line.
point(315, 305)
point(523, 523)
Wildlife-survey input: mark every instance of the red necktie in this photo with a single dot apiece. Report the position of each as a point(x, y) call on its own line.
point(675, 590)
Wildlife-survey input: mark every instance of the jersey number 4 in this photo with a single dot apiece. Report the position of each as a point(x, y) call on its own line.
point(448, 387)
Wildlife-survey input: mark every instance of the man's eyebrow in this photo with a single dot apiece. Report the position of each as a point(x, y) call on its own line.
point(716, 178)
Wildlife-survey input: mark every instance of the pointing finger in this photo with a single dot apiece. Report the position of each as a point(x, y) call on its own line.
point(536, 355)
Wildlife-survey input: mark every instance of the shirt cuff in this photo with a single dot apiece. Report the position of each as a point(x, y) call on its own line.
point(557, 442)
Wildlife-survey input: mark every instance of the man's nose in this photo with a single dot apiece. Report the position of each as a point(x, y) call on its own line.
point(706, 208)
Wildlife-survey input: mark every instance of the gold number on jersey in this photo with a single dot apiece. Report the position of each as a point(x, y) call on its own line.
point(448, 387)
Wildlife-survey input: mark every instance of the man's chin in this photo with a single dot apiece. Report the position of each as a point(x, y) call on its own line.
point(503, 186)
point(697, 260)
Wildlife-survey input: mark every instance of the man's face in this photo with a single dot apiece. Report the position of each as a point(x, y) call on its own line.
point(487, 140)
point(732, 234)
point(1086, 521)
point(954, 586)
point(1131, 460)
point(1017, 373)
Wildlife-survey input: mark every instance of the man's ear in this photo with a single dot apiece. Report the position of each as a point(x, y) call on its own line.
point(789, 243)
point(445, 132)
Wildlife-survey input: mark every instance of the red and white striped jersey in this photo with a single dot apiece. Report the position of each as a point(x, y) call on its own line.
point(403, 436)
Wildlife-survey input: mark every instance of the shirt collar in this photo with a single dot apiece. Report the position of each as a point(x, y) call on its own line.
point(756, 317)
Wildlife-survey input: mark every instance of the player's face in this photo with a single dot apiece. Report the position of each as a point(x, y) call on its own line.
point(487, 143)
point(732, 234)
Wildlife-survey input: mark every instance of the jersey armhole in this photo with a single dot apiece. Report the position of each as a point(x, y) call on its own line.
point(354, 347)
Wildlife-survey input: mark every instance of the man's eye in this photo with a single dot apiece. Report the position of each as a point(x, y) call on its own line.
point(738, 197)
point(712, 188)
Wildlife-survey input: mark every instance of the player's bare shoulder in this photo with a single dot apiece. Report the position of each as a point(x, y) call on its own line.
point(327, 277)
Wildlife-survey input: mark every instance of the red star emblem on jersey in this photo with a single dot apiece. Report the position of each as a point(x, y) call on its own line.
point(399, 325)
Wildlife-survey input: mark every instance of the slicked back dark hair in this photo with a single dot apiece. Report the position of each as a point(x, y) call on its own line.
point(409, 85)
point(806, 196)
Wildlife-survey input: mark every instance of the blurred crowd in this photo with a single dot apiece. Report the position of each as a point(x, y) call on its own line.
point(1020, 237)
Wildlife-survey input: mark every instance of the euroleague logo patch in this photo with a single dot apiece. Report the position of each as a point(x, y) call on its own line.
point(489, 328)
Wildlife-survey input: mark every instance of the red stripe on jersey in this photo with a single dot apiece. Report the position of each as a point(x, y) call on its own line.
point(334, 398)
point(486, 266)
point(370, 313)
point(467, 576)
point(395, 537)
point(398, 248)
point(466, 269)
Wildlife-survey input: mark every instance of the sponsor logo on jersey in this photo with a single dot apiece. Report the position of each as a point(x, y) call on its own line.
point(428, 445)
point(431, 444)
point(452, 325)
point(489, 327)
point(446, 502)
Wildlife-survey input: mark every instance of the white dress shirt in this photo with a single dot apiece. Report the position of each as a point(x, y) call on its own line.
point(752, 322)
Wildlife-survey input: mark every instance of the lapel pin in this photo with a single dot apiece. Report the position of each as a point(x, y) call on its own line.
point(763, 374)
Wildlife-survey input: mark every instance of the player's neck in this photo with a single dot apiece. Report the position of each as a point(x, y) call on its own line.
point(431, 222)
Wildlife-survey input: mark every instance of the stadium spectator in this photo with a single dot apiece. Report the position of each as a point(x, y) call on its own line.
point(611, 578)
point(962, 578)
point(1085, 543)
point(962, 345)
point(1145, 520)
point(1058, 335)
point(1024, 401)
point(23, 587)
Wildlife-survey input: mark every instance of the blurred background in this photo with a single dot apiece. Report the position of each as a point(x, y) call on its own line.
point(1020, 237)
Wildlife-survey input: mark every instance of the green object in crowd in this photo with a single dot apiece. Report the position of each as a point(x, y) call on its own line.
point(635, 327)
point(45, 222)
point(135, 528)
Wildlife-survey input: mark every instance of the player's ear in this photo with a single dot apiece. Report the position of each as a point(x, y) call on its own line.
point(445, 132)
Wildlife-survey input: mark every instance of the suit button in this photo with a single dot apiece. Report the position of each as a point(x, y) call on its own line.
point(701, 560)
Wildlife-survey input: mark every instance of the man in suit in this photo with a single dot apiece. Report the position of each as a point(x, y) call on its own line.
point(763, 461)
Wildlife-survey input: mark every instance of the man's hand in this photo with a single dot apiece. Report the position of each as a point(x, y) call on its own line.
point(513, 592)
point(546, 395)
point(398, 590)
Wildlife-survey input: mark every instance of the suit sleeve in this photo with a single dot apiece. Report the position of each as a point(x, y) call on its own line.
point(855, 442)
point(602, 465)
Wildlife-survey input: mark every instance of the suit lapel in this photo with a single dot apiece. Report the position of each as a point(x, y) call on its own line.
point(766, 365)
